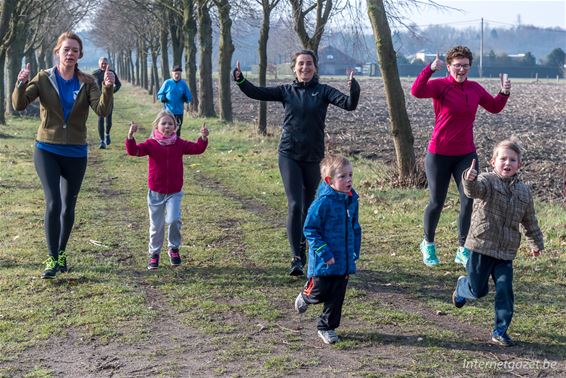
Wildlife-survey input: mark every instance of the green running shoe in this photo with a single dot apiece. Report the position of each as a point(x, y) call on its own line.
point(62, 262)
point(51, 268)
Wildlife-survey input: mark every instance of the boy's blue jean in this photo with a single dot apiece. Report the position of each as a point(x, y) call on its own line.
point(164, 208)
point(476, 285)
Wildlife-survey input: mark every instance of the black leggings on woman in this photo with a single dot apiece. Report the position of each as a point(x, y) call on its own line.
point(61, 178)
point(300, 179)
point(439, 169)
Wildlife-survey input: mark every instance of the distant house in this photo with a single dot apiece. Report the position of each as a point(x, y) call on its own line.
point(332, 61)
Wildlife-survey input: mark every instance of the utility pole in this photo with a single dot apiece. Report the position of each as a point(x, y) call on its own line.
point(481, 50)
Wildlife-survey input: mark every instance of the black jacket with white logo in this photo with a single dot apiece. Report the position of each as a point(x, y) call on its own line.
point(305, 106)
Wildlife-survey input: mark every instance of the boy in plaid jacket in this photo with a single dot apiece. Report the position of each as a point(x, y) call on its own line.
point(501, 203)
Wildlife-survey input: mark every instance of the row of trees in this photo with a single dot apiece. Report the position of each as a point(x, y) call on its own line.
point(138, 34)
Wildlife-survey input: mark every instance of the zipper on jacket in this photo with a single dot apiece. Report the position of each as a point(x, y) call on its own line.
point(346, 239)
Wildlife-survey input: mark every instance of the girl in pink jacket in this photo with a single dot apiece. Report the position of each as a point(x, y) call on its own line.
point(165, 181)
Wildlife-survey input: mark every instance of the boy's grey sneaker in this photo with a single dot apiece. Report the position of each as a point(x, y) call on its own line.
point(102, 145)
point(462, 256)
point(51, 268)
point(457, 301)
point(429, 254)
point(300, 304)
point(329, 337)
point(503, 340)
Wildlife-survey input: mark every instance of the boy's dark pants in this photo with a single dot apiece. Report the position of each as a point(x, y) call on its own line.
point(476, 285)
point(331, 291)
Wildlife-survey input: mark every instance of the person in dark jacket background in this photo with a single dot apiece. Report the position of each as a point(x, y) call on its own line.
point(301, 147)
point(104, 132)
point(334, 236)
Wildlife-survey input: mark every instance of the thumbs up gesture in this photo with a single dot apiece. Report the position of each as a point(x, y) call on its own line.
point(237, 73)
point(23, 75)
point(109, 77)
point(350, 77)
point(437, 63)
point(472, 174)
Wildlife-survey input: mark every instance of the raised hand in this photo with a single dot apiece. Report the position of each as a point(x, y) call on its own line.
point(505, 83)
point(109, 77)
point(204, 131)
point(472, 174)
point(237, 72)
point(437, 64)
point(23, 75)
point(133, 130)
point(350, 78)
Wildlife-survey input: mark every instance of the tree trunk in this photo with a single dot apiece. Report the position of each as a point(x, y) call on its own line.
point(2, 89)
point(206, 96)
point(15, 53)
point(164, 42)
point(262, 52)
point(226, 50)
point(154, 73)
point(189, 32)
point(176, 33)
point(400, 126)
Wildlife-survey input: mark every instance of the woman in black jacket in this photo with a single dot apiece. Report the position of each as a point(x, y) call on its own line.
point(301, 147)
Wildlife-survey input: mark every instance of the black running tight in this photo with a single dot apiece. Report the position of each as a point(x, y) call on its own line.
point(300, 180)
point(439, 169)
point(61, 178)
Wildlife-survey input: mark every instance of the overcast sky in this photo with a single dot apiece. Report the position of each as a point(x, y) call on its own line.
point(498, 13)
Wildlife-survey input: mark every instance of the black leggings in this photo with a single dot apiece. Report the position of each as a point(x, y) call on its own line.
point(61, 178)
point(300, 179)
point(179, 119)
point(439, 169)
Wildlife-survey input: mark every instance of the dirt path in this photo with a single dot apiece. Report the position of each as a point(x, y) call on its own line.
point(173, 348)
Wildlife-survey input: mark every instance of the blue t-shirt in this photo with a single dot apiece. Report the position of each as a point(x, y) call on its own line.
point(68, 90)
point(68, 150)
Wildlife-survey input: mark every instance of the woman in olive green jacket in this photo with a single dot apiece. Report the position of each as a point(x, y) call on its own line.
point(60, 154)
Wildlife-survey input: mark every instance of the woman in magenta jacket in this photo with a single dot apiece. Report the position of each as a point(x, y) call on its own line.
point(451, 148)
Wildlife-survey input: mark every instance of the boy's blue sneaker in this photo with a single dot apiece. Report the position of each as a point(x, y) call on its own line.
point(329, 337)
point(462, 256)
point(429, 254)
point(300, 304)
point(501, 339)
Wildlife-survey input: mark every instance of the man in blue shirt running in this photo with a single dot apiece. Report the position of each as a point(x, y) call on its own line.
point(173, 94)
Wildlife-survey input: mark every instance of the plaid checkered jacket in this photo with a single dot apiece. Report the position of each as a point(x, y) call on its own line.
point(500, 206)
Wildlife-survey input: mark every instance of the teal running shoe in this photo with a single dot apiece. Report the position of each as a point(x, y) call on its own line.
point(462, 256)
point(429, 254)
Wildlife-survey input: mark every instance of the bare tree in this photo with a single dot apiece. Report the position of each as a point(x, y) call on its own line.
point(267, 7)
point(302, 17)
point(206, 98)
point(189, 33)
point(400, 126)
point(226, 50)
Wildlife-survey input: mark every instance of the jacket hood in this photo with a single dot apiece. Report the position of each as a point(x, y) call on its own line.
point(325, 190)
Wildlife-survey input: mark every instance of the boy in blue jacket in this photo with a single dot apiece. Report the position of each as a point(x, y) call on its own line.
point(334, 236)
